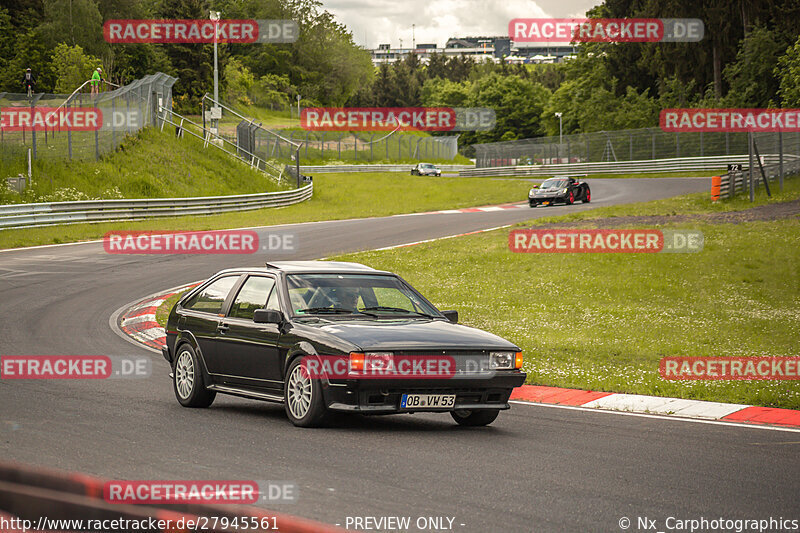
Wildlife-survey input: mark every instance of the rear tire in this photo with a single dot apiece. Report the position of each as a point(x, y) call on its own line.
point(481, 417)
point(187, 379)
point(588, 196)
point(303, 401)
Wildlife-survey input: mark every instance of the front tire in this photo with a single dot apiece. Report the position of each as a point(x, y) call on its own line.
point(571, 198)
point(304, 404)
point(481, 417)
point(187, 380)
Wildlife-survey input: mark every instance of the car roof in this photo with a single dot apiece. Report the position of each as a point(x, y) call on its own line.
point(296, 267)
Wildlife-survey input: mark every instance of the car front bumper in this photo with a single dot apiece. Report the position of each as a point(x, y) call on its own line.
point(382, 396)
point(551, 199)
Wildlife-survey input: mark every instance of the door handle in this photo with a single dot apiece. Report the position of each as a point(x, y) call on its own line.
point(222, 328)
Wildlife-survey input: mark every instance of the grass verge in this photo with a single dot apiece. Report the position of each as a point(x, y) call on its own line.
point(604, 321)
point(336, 197)
point(150, 164)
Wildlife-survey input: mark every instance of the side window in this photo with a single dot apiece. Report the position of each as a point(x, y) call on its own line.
point(253, 295)
point(210, 299)
point(273, 303)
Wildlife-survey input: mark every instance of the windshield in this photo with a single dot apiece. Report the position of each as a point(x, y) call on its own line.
point(354, 295)
point(553, 184)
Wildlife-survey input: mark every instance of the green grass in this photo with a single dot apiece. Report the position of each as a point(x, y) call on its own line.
point(162, 313)
point(336, 196)
point(603, 321)
point(150, 164)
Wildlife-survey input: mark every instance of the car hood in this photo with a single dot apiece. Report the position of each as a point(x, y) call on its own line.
point(413, 334)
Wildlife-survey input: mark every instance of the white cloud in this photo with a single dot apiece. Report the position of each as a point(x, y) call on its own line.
point(388, 21)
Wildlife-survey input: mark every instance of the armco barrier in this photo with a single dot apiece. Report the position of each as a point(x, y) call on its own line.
point(322, 169)
point(46, 214)
point(738, 182)
point(31, 493)
point(687, 164)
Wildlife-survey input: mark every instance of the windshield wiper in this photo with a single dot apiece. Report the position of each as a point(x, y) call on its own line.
point(322, 310)
point(396, 310)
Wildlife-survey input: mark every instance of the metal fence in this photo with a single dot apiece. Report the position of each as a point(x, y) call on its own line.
point(628, 145)
point(122, 111)
point(46, 214)
point(319, 146)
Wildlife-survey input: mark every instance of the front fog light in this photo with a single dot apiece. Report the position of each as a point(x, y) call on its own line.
point(501, 360)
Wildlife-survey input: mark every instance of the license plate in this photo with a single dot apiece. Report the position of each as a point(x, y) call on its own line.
point(545, 203)
point(427, 401)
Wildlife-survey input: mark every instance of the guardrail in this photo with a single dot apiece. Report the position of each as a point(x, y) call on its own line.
point(687, 164)
point(322, 169)
point(737, 182)
point(48, 214)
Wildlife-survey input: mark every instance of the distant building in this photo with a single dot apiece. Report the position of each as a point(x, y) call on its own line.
point(480, 49)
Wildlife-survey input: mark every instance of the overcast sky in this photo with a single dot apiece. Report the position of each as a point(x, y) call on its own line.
point(387, 21)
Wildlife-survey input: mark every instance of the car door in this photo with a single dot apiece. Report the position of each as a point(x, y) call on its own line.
point(200, 316)
point(250, 350)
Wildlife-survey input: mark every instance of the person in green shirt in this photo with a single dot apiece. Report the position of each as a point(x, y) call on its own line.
point(95, 83)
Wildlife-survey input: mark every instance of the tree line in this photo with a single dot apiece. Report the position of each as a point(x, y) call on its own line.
point(62, 42)
point(750, 57)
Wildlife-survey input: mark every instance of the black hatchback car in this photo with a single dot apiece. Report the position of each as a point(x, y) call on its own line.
point(326, 336)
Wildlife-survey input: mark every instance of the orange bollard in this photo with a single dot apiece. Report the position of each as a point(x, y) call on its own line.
point(716, 182)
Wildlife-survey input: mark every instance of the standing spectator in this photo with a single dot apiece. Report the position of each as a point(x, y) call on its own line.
point(96, 81)
point(28, 82)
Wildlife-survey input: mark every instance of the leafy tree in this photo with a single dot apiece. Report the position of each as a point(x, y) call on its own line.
point(73, 67)
point(192, 64)
point(751, 79)
point(788, 73)
point(239, 83)
point(271, 91)
point(74, 22)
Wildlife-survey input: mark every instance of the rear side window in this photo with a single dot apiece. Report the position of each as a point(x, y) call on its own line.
point(210, 299)
point(253, 295)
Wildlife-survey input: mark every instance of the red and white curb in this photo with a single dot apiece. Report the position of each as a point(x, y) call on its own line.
point(138, 321)
point(482, 209)
point(656, 405)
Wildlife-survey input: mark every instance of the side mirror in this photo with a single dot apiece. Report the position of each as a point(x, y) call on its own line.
point(451, 315)
point(267, 316)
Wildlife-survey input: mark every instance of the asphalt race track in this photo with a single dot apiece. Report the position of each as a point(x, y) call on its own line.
point(536, 468)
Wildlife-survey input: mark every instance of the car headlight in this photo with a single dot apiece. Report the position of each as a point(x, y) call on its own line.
point(501, 360)
point(563, 191)
point(532, 192)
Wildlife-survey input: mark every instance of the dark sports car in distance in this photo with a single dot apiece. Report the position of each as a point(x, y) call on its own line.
point(325, 336)
point(425, 169)
point(561, 190)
